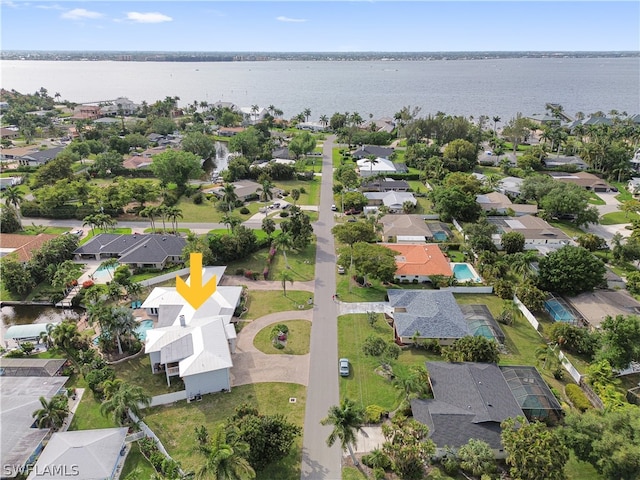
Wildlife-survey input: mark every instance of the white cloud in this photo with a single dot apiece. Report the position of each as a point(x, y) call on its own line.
point(81, 14)
point(282, 18)
point(50, 7)
point(8, 3)
point(150, 17)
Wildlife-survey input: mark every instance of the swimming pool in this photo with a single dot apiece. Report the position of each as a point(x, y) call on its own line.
point(558, 311)
point(465, 273)
point(440, 237)
point(104, 274)
point(142, 329)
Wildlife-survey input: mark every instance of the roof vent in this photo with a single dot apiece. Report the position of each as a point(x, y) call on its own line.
point(183, 323)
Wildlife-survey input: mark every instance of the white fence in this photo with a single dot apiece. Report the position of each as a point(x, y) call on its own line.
point(168, 398)
point(527, 314)
point(459, 289)
point(568, 366)
point(457, 225)
point(165, 277)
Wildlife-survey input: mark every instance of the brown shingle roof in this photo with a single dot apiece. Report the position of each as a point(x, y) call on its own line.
point(24, 245)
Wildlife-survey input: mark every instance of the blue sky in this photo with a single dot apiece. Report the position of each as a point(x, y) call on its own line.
point(306, 26)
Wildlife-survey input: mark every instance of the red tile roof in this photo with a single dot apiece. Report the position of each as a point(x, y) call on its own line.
point(420, 259)
point(24, 245)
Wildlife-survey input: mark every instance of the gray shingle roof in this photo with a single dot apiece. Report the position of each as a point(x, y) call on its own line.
point(367, 150)
point(470, 401)
point(134, 248)
point(43, 156)
point(431, 313)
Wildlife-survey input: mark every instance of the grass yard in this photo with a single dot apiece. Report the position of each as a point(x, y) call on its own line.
point(349, 291)
point(579, 470)
point(35, 230)
point(175, 424)
point(567, 227)
point(364, 386)
point(136, 462)
point(87, 414)
point(264, 302)
point(302, 264)
point(352, 473)
point(312, 190)
point(297, 339)
point(137, 371)
point(623, 194)
point(616, 218)
point(96, 231)
point(595, 199)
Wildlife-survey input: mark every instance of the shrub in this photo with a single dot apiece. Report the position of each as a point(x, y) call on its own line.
point(303, 190)
point(577, 397)
point(244, 211)
point(198, 198)
point(374, 345)
point(392, 351)
point(15, 354)
point(239, 271)
point(373, 414)
point(503, 289)
point(284, 214)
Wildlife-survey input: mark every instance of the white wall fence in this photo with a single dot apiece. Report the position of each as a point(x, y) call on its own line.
point(457, 225)
point(460, 289)
point(568, 366)
point(168, 398)
point(527, 314)
point(165, 277)
point(564, 361)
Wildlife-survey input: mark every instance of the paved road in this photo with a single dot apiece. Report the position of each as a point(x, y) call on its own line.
point(608, 231)
point(320, 462)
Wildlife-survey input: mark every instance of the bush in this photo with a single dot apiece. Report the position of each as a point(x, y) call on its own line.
point(374, 345)
point(503, 289)
point(373, 414)
point(284, 214)
point(198, 198)
point(244, 211)
point(392, 351)
point(303, 190)
point(577, 397)
point(15, 354)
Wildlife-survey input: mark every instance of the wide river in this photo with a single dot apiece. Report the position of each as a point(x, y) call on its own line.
point(499, 87)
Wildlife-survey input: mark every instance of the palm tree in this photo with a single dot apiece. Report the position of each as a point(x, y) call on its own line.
point(268, 226)
point(231, 221)
point(495, 119)
point(324, 120)
point(124, 399)
point(415, 384)
point(151, 213)
point(174, 213)
point(53, 412)
point(284, 241)
point(307, 113)
point(109, 387)
point(225, 458)
point(122, 324)
point(90, 221)
point(522, 263)
point(108, 265)
point(65, 335)
point(285, 276)
point(265, 190)
point(229, 196)
point(371, 160)
point(13, 196)
point(254, 111)
point(346, 420)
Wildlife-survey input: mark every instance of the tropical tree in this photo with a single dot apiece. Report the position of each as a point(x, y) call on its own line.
point(371, 160)
point(284, 242)
point(151, 213)
point(265, 190)
point(408, 446)
point(285, 276)
point(414, 384)
point(52, 413)
point(477, 458)
point(295, 195)
point(121, 325)
point(127, 398)
point(231, 221)
point(268, 226)
point(65, 335)
point(346, 420)
point(225, 457)
point(229, 195)
point(173, 214)
point(13, 196)
point(495, 119)
point(534, 451)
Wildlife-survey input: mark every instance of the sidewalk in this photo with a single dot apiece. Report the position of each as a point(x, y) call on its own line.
point(239, 280)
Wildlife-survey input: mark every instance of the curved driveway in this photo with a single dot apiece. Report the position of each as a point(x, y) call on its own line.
point(250, 365)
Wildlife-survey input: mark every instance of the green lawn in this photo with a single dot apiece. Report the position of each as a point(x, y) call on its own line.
point(87, 414)
point(137, 371)
point(312, 190)
point(623, 194)
point(175, 424)
point(616, 218)
point(96, 231)
point(567, 227)
point(579, 470)
point(302, 264)
point(595, 199)
point(352, 473)
point(297, 340)
point(264, 302)
point(136, 462)
point(35, 230)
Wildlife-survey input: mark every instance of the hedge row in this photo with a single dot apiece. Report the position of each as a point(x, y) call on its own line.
point(577, 397)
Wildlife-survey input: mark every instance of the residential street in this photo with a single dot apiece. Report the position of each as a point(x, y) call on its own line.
point(318, 460)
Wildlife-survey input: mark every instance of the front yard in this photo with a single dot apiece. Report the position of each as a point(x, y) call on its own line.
point(175, 424)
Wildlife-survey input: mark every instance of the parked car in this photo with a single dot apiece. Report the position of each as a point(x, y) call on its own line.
point(334, 208)
point(344, 367)
point(341, 270)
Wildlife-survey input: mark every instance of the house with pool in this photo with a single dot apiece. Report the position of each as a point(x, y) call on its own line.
point(136, 250)
point(418, 262)
point(419, 315)
point(193, 344)
point(538, 234)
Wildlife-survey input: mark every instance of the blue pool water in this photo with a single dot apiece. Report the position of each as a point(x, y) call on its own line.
point(558, 312)
point(104, 274)
point(464, 273)
point(440, 237)
point(141, 330)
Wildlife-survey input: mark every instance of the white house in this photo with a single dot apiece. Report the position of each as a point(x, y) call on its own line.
point(538, 234)
point(394, 201)
point(194, 344)
point(369, 168)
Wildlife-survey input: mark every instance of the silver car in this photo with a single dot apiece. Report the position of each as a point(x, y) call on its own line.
point(344, 367)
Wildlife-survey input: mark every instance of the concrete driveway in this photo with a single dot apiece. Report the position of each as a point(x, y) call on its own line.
point(250, 365)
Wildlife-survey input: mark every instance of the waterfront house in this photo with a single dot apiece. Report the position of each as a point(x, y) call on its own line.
point(137, 251)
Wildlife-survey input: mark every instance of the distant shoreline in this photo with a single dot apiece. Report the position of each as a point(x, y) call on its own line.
point(123, 56)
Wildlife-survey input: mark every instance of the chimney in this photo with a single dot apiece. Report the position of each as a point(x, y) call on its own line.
point(183, 323)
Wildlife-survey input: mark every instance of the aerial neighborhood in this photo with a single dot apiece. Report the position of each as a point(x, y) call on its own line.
point(417, 296)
